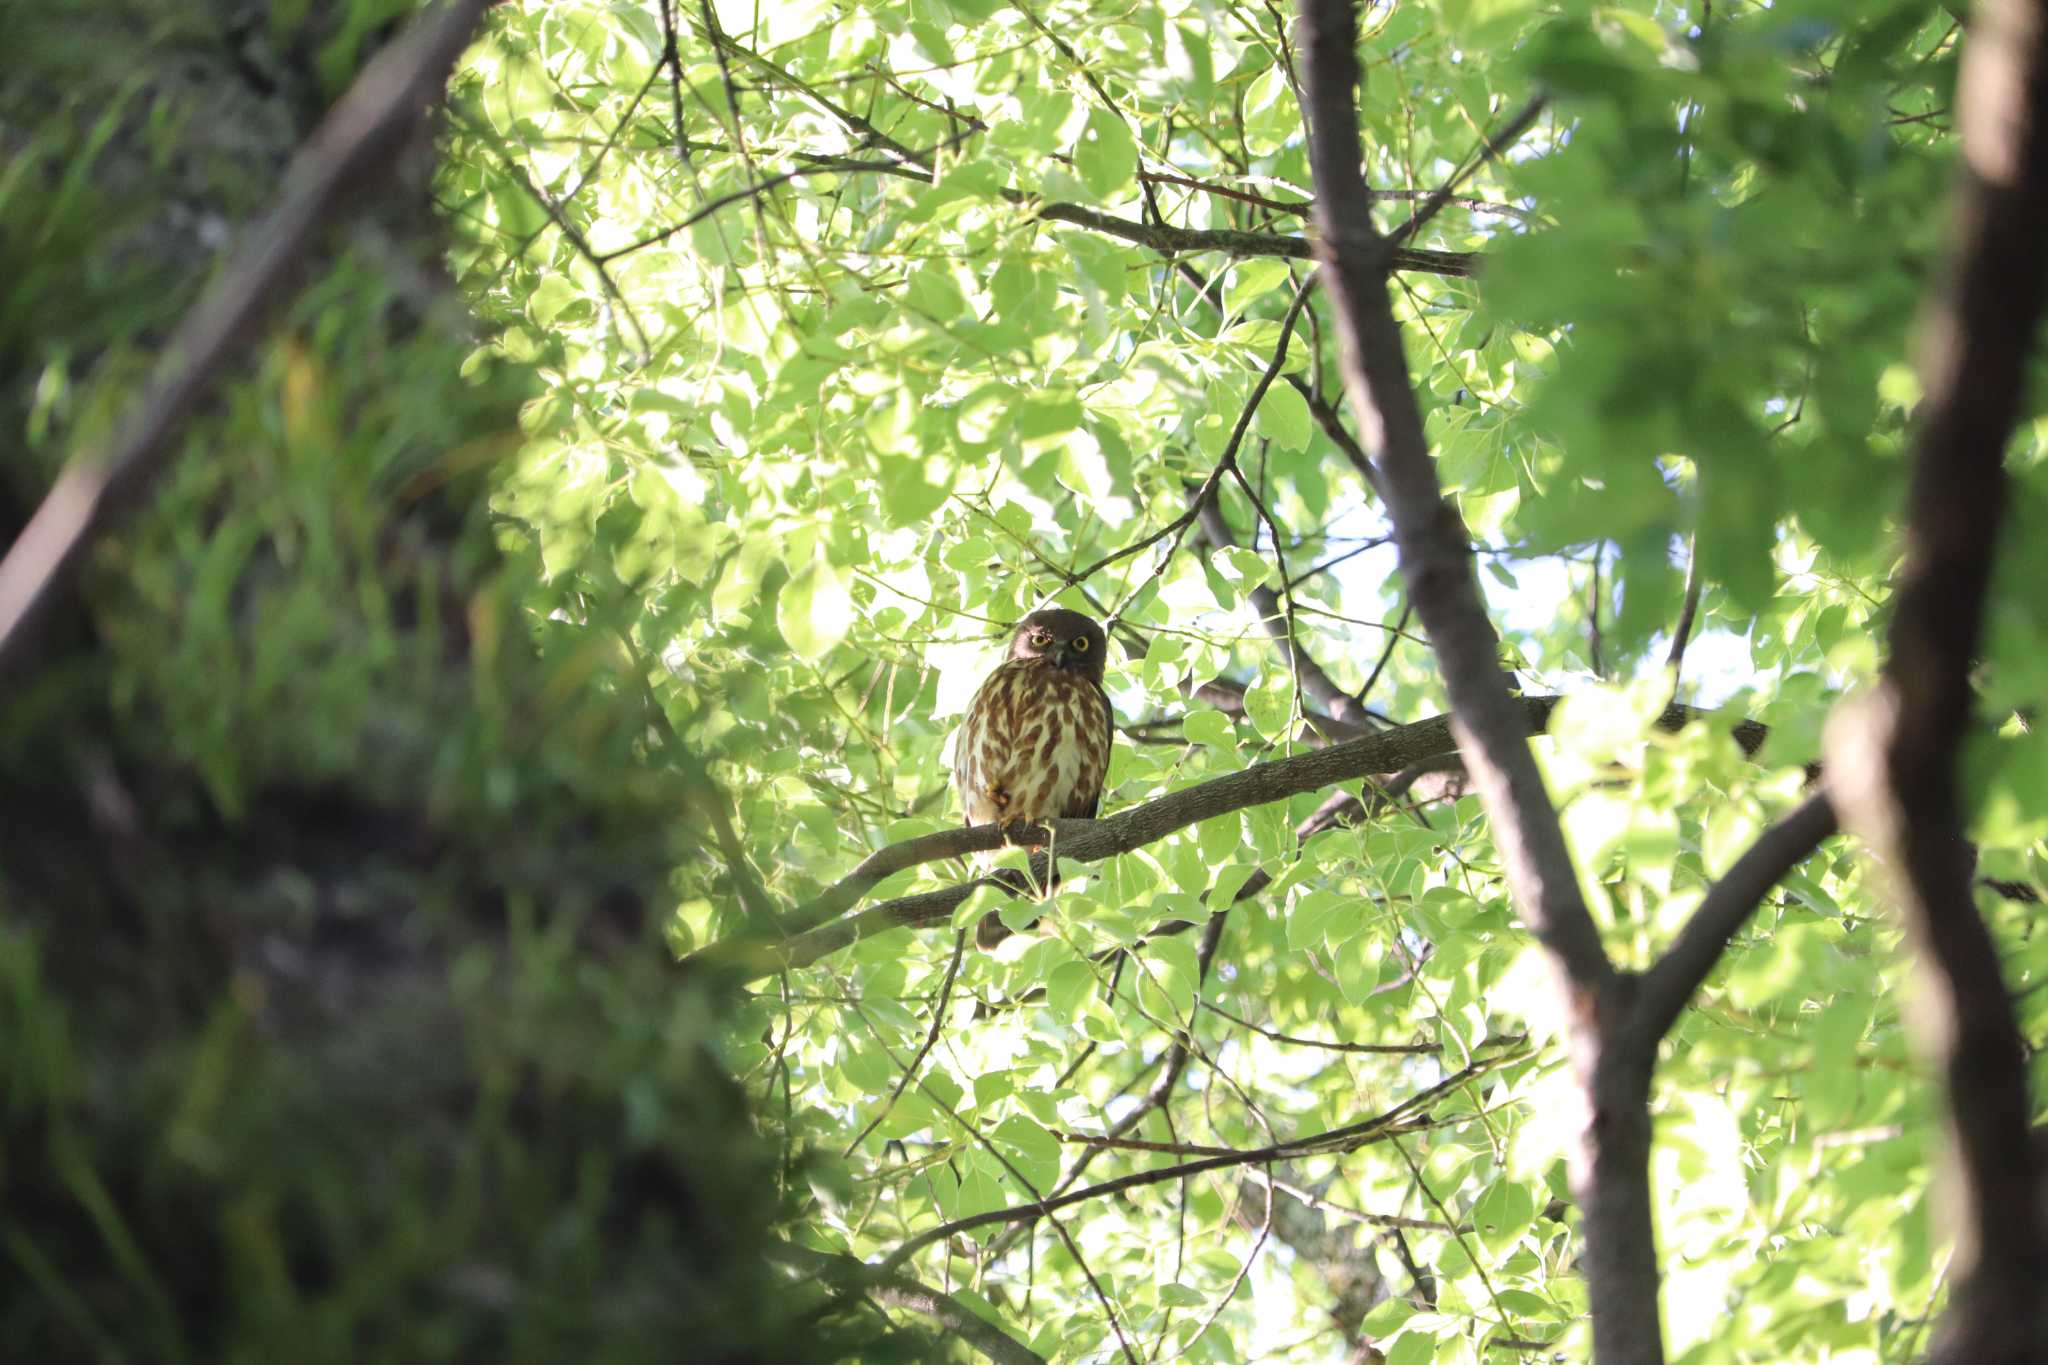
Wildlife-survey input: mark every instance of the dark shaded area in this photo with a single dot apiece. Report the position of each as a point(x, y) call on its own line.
point(337, 1014)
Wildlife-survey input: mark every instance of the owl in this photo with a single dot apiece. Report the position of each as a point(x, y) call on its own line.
point(1035, 743)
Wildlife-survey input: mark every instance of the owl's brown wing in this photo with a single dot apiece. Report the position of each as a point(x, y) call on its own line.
point(1100, 725)
point(981, 748)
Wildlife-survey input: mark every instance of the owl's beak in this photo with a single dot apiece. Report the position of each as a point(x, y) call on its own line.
point(1064, 656)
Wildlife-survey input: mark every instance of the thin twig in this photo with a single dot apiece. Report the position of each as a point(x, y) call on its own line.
point(1348, 1138)
point(1688, 612)
point(1491, 148)
point(931, 1037)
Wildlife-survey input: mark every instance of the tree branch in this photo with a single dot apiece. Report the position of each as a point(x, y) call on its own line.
point(1673, 978)
point(1610, 1160)
point(1310, 675)
point(1435, 550)
point(1499, 142)
point(1893, 755)
point(1171, 240)
point(352, 145)
point(1348, 1138)
point(931, 1038)
point(1089, 841)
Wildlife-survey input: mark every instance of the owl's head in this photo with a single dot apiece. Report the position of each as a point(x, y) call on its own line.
point(1067, 638)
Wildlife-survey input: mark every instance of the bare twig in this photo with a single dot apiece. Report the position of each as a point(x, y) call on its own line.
point(1394, 637)
point(851, 1275)
point(983, 1141)
point(1377, 1049)
point(1491, 148)
point(1227, 461)
point(931, 1037)
point(1681, 634)
point(570, 232)
point(1378, 1220)
point(1232, 242)
point(819, 166)
point(717, 804)
point(1348, 1138)
point(1332, 423)
point(1593, 619)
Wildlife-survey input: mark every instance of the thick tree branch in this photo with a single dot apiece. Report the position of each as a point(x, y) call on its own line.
point(1728, 904)
point(1610, 1162)
point(1893, 755)
point(350, 148)
point(1435, 550)
point(1089, 841)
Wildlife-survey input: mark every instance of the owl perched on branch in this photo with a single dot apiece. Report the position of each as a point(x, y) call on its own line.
point(1035, 743)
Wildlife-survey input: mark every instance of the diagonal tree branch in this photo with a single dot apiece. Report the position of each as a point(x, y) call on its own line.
point(1435, 550)
point(1505, 137)
point(1610, 1161)
point(1389, 751)
point(931, 1039)
point(1314, 680)
point(352, 145)
point(1893, 755)
point(1728, 904)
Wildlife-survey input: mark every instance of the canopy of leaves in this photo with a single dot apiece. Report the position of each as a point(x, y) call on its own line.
point(867, 330)
point(840, 337)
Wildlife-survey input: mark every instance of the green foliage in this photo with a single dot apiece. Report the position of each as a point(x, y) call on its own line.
point(335, 877)
point(813, 325)
point(797, 374)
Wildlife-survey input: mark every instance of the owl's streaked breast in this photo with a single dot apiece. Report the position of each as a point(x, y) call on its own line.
point(1034, 746)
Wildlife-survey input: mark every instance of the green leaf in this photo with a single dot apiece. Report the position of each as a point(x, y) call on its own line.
point(1269, 704)
point(1284, 419)
point(1502, 1214)
point(814, 611)
point(1035, 1152)
point(1173, 969)
point(1106, 156)
point(1312, 918)
point(1068, 986)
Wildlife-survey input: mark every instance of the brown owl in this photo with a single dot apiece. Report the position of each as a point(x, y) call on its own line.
point(1035, 743)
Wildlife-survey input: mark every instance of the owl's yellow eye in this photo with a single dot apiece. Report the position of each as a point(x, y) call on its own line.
point(1081, 645)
